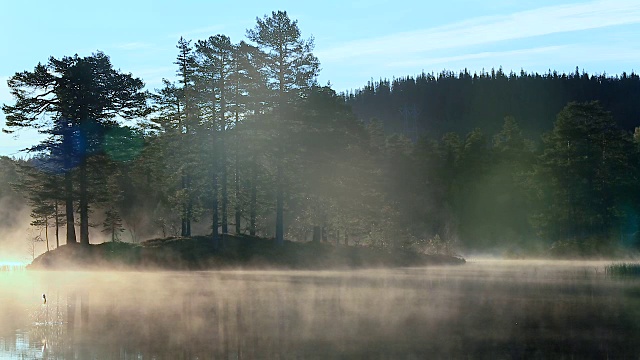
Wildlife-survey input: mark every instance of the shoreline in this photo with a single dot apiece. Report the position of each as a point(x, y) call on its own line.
point(246, 252)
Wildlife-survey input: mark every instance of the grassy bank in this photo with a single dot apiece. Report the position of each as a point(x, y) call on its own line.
point(197, 253)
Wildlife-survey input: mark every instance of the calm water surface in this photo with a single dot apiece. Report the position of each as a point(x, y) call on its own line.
point(484, 309)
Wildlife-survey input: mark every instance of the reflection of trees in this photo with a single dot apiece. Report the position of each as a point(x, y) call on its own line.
point(275, 315)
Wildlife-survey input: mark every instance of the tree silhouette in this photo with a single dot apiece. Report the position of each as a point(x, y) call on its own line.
point(80, 98)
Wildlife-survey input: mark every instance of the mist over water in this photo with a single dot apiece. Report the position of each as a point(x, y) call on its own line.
point(485, 309)
point(14, 231)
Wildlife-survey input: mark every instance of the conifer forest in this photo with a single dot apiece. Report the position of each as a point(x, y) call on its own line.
point(244, 140)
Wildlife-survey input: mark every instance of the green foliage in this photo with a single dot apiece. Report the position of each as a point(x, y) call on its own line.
point(75, 102)
point(290, 65)
point(586, 164)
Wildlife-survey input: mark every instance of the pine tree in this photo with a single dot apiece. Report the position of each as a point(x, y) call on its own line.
point(215, 68)
point(291, 69)
point(79, 97)
point(188, 122)
point(176, 126)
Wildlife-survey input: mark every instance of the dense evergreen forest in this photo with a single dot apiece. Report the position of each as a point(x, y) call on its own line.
point(247, 142)
point(433, 105)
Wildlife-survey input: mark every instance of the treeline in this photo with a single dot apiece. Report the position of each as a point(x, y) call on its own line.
point(573, 193)
point(434, 104)
point(246, 141)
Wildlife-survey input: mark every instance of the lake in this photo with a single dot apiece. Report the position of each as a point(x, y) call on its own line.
point(480, 310)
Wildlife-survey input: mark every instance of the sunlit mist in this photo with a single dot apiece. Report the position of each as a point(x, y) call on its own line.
point(11, 265)
point(484, 309)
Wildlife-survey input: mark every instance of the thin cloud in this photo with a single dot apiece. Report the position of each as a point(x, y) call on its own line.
point(209, 30)
point(615, 53)
point(478, 56)
point(525, 24)
point(133, 46)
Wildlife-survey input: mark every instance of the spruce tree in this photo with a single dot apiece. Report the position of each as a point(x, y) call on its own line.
point(585, 167)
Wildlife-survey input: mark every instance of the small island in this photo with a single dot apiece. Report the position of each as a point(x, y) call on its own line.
point(197, 253)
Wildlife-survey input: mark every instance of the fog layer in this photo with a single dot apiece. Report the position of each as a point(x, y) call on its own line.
point(480, 310)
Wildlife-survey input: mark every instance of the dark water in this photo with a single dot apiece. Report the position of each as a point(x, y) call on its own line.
point(482, 310)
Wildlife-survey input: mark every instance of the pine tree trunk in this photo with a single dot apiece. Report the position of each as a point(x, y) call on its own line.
point(46, 231)
point(183, 228)
point(238, 212)
point(225, 193)
point(84, 205)
point(223, 155)
point(57, 225)
point(316, 233)
point(253, 211)
point(236, 180)
point(281, 153)
point(189, 216)
point(216, 221)
point(189, 207)
point(280, 206)
point(68, 187)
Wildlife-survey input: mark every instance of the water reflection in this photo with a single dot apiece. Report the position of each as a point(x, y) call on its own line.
point(480, 310)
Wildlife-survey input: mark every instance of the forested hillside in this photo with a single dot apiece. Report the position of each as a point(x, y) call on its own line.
point(514, 161)
point(434, 104)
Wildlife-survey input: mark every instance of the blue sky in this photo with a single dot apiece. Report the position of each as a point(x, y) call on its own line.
point(355, 40)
